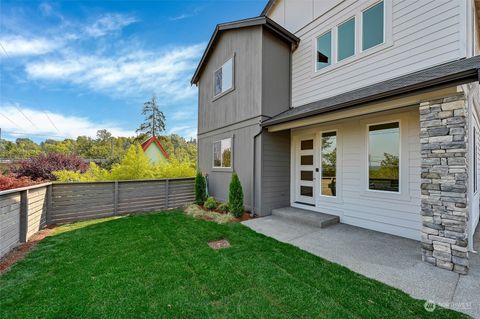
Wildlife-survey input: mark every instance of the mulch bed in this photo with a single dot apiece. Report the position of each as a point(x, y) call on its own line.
point(19, 252)
point(246, 215)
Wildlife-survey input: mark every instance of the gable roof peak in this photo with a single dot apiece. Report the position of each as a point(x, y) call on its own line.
point(277, 29)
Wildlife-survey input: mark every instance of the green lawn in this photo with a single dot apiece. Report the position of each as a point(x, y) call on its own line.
point(159, 265)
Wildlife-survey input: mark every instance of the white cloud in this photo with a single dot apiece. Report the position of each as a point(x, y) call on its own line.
point(182, 115)
point(45, 8)
point(68, 126)
point(186, 15)
point(186, 131)
point(133, 74)
point(23, 46)
point(109, 23)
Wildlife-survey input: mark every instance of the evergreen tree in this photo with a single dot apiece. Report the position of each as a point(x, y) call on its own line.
point(200, 189)
point(154, 122)
point(235, 196)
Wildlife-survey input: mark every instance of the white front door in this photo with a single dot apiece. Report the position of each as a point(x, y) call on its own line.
point(316, 168)
point(305, 170)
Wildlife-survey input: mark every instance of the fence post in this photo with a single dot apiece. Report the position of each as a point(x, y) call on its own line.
point(23, 215)
point(115, 199)
point(166, 194)
point(49, 204)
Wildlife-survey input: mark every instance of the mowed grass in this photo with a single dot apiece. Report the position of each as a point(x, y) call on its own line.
point(160, 266)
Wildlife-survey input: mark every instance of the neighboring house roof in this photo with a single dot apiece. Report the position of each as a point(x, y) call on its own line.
point(155, 140)
point(268, 6)
point(448, 74)
point(266, 22)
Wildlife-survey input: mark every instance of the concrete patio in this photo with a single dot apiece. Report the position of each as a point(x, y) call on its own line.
point(390, 259)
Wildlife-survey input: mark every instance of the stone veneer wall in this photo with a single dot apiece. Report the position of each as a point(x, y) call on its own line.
point(443, 138)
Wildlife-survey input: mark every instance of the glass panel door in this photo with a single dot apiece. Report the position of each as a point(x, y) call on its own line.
point(305, 171)
point(328, 164)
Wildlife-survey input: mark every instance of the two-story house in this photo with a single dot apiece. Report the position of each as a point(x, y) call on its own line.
point(367, 110)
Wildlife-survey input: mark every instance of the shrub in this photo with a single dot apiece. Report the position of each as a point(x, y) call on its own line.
point(11, 182)
point(174, 169)
point(41, 167)
point(200, 189)
point(210, 203)
point(134, 165)
point(235, 196)
point(223, 207)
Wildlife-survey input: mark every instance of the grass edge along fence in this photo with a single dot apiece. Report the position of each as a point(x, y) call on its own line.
point(25, 211)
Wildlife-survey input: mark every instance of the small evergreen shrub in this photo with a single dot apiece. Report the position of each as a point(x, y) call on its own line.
point(223, 207)
point(200, 189)
point(235, 196)
point(210, 203)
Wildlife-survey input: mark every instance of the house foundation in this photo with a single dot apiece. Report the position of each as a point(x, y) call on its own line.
point(444, 167)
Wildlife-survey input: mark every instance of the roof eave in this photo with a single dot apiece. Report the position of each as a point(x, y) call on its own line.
point(267, 8)
point(257, 21)
point(459, 78)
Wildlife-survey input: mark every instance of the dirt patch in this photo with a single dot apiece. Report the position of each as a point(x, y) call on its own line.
point(19, 252)
point(219, 244)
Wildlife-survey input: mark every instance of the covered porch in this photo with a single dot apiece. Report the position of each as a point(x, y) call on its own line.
point(393, 260)
point(398, 157)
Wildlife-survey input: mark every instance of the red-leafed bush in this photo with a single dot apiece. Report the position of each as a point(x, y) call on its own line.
point(41, 167)
point(10, 182)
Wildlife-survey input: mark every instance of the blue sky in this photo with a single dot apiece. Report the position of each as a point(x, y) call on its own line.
point(70, 68)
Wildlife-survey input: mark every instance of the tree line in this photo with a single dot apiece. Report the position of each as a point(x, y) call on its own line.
point(105, 148)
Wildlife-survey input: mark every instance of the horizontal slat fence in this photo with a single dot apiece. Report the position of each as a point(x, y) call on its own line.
point(9, 222)
point(25, 211)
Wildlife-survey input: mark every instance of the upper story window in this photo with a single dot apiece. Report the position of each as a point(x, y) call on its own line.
point(324, 50)
point(373, 26)
point(222, 153)
point(384, 157)
point(223, 78)
point(340, 42)
point(346, 39)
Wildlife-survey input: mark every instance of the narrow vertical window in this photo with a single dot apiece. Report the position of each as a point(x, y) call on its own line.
point(329, 164)
point(324, 50)
point(217, 159)
point(384, 157)
point(222, 153)
point(373, 26)
point(227, 153)
point(346, 39)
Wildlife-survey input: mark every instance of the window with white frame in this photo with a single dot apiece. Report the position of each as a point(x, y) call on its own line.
point(222, 153)
point(223, 78)
point(346, 39)
point(373, 26)
point(368, 24)
point(324, 50)
point(384, 157)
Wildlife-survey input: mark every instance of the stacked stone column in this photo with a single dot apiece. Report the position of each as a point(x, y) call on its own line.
point(444, 160)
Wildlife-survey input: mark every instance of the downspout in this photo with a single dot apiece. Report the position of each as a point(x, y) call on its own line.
point(254, 181)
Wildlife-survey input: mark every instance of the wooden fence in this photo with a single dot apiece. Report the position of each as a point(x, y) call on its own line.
point(24, 211)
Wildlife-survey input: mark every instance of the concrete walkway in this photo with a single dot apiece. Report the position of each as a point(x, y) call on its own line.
point(390, 259)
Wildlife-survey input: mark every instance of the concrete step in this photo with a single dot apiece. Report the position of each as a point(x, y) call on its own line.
point(306, 217)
